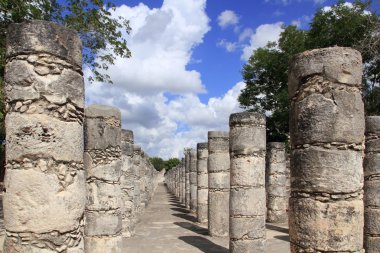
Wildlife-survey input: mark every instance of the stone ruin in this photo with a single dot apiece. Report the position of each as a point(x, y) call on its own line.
point(70, 171)
point(76, 182)
point(328, 196)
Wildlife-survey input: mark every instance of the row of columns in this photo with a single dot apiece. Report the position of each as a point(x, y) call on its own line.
point(328, 211)
point(72, 173)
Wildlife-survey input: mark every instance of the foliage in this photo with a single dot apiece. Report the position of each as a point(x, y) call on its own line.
point(171, 163)
point(266, 71)
point(157, 162)
point(160, 164)
point(101, 33)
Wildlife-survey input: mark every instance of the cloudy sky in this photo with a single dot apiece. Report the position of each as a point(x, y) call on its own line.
point(184, 75)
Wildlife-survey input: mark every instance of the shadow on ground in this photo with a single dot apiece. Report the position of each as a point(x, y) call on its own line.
point(277, 228)
point(185, 216)
point(203, 244)
point(192, 227)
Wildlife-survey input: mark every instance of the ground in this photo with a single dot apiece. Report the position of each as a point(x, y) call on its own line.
point(167, 226)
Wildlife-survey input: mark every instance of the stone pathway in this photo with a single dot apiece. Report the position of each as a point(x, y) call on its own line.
point(168, 227)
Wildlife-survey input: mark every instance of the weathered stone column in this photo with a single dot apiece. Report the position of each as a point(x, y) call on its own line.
point(183, 180)
point(193, 181)
point(136, 196)
point(218, 166)
point(247, 203)
point(102, 159)
point(127, 182)
point(327, 134)
point(44, 188)
point(202, 205)
point(276, 183)
point(187, 179)
point(372, 185)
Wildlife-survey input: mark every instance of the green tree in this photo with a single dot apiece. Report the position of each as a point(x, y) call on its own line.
point(266, 71)
point(171, 163)
point(100, 31)
point(158, 163)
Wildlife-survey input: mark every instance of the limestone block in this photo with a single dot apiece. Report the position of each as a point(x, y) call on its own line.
point(372, 244)
point(35, 197)
point(320, 119)
point(241, 139)
point(241, 227)
point(218, 142)
point(219, 180)
point(372, 221)
point(103, 196)
point(107, 172)
point(248, 171)
point(248, 246)
point(313, 223)
point(40, 135)
point(111, 244)
point(316, 169)
point(218, 213)
point(336, 64)
point(102, 223)
point(371, 164)
point(100, 135)
point(372, 193)
point(218, 162)
point(30, 85)
point(35, 36)
point(247, 201)
point(202, 181)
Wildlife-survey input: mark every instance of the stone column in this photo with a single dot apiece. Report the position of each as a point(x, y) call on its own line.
point(136, 196)
point(276, 183)
point(44, 187)
point(372, 185)
point(247, 203)
point(202, 205)
point(327, 134)
point(183, 181)
point(193, 181)
point(187, 177)
point(102, 159)
point(127, 182)
point(218, 166)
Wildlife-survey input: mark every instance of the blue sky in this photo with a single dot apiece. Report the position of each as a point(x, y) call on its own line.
point(184, 75)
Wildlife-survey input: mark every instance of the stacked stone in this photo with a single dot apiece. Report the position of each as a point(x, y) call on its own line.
point(183, 181)
point(247, 203)
point(327, 133)
point(102, 159)
point(276, 180)
point(45, 192)
point(218, 166)
point(187, 179)
point(193, 181)
point(202, 205)
point(126, 182)
point(372, 185)
point(136, 195)
point(142, 180)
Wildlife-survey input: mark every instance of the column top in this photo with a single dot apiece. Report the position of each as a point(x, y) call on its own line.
point(102, 111)
point(203, 145)
point(39, 36)
point(247, 118)
point(218, 134)
point(337, 64)
point(127, 135)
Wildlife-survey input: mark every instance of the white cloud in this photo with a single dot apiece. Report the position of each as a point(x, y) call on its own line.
point(227, 18)
point(264, 33)
point(229, 46)
point(302, 21)
point(164, 127)
point(247, 32)
point(161, 41)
